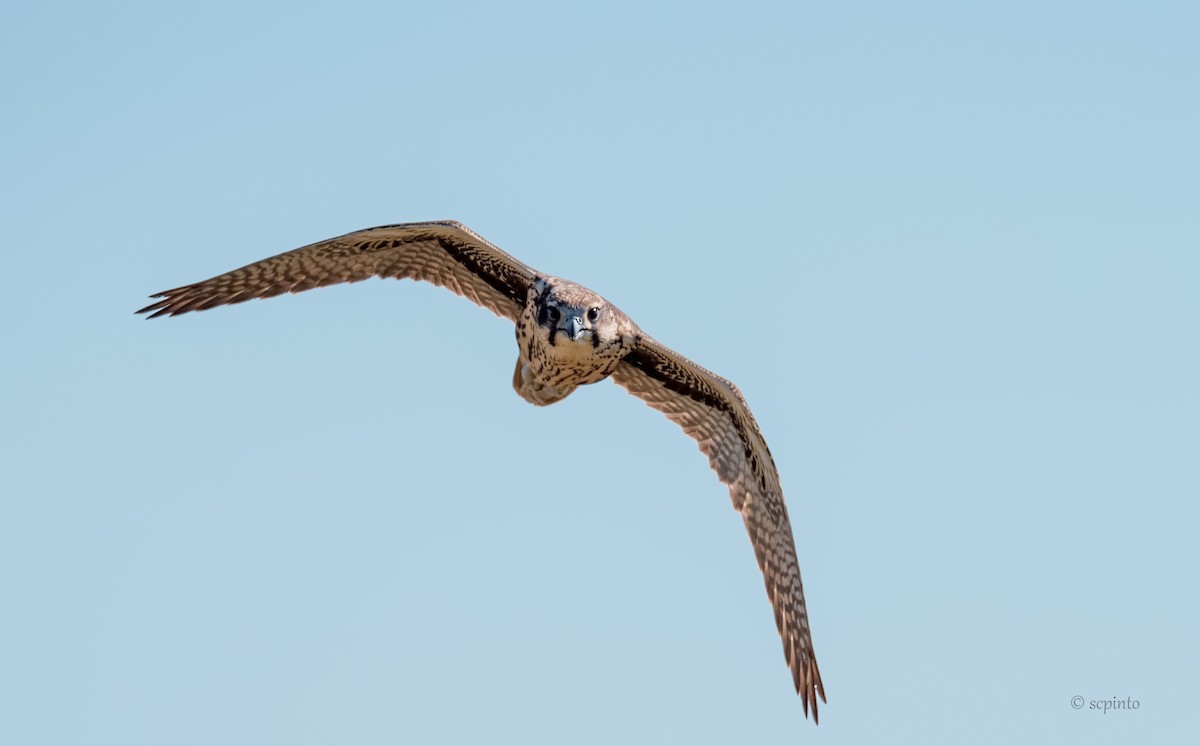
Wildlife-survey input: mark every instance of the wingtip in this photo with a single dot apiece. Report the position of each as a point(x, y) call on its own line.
point(809, 687)
point(805, 697)
point(157, 307)
point(816, 689)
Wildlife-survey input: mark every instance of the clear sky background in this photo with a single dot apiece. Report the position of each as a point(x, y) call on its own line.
point(949, 251)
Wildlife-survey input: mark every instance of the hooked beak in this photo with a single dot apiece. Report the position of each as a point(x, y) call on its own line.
point(574, 328)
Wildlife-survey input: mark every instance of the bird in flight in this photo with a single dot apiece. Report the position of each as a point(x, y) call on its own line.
point(567, 336)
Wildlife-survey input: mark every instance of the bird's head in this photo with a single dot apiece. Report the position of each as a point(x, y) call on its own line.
point(570, 310)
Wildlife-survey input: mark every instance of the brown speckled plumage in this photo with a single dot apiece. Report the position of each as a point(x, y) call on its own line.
point(567, 336)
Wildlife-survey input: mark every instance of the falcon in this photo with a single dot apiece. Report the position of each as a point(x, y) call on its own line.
point(567, 337)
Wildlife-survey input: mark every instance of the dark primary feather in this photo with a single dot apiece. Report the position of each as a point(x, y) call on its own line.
point(445, 253)
point(712, 411)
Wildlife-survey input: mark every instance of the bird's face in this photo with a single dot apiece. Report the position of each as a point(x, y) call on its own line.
point(576, 313)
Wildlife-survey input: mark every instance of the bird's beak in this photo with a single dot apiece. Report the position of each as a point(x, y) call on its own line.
point(574, 328)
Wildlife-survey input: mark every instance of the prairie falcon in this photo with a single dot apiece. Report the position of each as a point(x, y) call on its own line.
point(567, 337)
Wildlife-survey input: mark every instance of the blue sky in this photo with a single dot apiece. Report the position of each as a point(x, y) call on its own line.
point(949, 252)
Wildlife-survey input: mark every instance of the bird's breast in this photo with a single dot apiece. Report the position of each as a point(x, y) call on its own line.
point(554, 358)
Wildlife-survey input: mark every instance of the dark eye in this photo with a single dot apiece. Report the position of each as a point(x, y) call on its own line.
point(593, 314)
point(552, 313)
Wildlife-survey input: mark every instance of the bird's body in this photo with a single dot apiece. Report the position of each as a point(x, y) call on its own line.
point(567, 337)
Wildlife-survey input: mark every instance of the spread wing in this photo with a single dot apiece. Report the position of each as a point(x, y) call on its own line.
point(445, 253)
point(712, 411)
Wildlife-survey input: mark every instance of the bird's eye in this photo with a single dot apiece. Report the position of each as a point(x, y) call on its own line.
point(552, 313)
point(593, 313)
